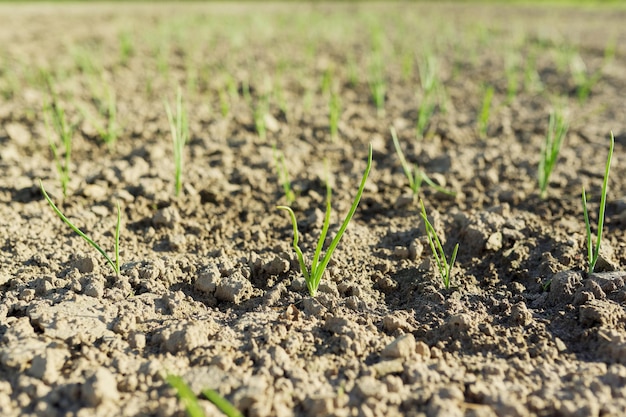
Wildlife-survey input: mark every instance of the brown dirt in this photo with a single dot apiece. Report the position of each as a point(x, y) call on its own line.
point(210, 288)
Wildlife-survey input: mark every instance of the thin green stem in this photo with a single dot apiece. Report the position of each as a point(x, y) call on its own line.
point(179, 127)
point(283, 175)
point(314, 275)
point(443, 265)
point(115, 265)
point(413, 173)
point(593, 251)
point(557, 129)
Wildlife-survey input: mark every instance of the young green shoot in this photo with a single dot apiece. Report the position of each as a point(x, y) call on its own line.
point(483, 118)
point(260, 112)
point(377, 83)
point(584, 80)
point(127, 49)
point(313, 275)
point(334, 114)
point(180, 133)
point(593, 251)
point(224, 102)
point(429, 84)
point(64, 131)
point(511, 70)
point(283, 176)
point(415, 175)
point(190, 401)
point(443, 265)
point(557, 128)
point(108, 131)
point(115, 265)
point(378, 86)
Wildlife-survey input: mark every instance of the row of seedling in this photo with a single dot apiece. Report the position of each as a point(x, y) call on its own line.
point(314, 270)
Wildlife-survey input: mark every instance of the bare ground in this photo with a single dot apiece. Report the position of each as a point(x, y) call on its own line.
point(210, 287)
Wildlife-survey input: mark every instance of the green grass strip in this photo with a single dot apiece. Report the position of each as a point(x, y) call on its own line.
point(114, 265)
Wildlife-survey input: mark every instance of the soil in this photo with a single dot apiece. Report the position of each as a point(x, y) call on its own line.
point(210, 287)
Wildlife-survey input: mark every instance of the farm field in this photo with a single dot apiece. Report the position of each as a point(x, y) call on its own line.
point(200, 120)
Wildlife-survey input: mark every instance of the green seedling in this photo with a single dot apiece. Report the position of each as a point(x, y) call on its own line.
point(108, 131)
point(224, 102)
point(85, 61)
point(127, 49)
point(424, 115)
point(353, 71)
point(283, 175)
point(190, 401)
point(429, 85)
point(415, 175)
point(314, 275)
point(593, 251)
point(532, 80)
point(511, 71)
point(377, 83)
point(115, 265)
point(483, 118)
point(260, 112)
point(584, 80)
point(557, 128)
point(407, 65)
point(378, 86)
point(179, 127)
point(443, 265)
point(327, 81)
point(334, 114)
point(55, 115)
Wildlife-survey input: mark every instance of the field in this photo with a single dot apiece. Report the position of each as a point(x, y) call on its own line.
point(199, 120)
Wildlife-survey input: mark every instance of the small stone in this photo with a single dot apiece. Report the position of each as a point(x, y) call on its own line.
point(100, 387)
point(208, 279)
point(166, 217)
point(94, 289)
point(137, 340)
point(404, 200)
point(85, 264)
point(18, 133)
point(402, 347)
point(312, 307)
point(494, 242)
point(462, 322)
point(337, 325)
point(46, 366)
point(319, 406)
point(186, 336)
point(276, 266)
point(370, 387)
point(422, 349)
point(234, 288)
point(298, 284)
point(328, 288)
point(383, 368)
point(396, 321)
point(415, 249)
point(401, 252)
point(94, 192)
point(520, 314)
